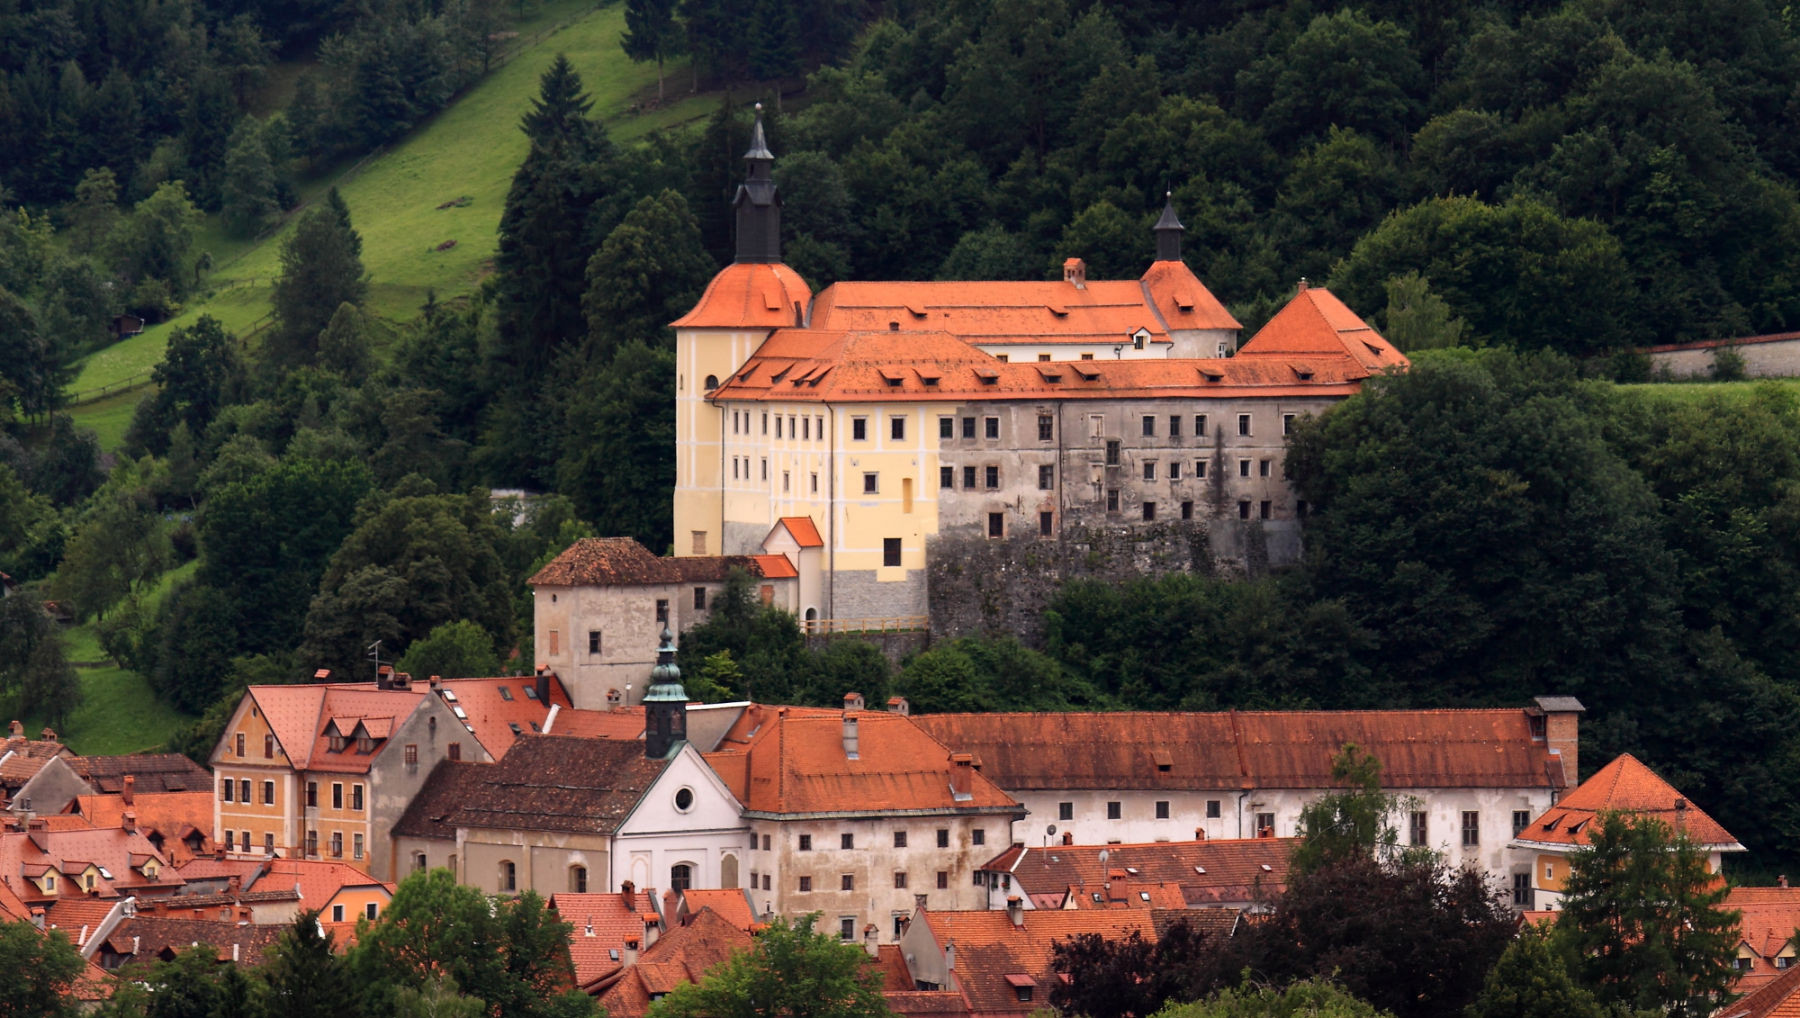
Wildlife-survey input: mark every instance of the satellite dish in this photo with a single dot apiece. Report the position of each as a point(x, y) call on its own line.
point(1050, 830)
point(1105, 854)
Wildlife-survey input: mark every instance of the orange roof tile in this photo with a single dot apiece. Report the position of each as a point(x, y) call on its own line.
point(618, 723)
point(748, 295)
point(796, 763)
point(1203, 872)
point(1627, 786)
point(1183, 301)
point(911, 1003)
point(607, 561)
point(803, 530)
point(733, 906)
point(776, 567)
point(172, 816)
point(558, 783)
point(80, 918)
point(1778, 998)
point(1245, 749)
point(601, 923)
point(1315, 324)
point(319, 880)
point(150, 772)
point(494, 706)
point(989, 947)
point(299, 715)
point(1768, 918)
point(691, 950)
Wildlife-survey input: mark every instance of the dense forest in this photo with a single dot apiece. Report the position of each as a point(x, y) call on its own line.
point(1542, 186)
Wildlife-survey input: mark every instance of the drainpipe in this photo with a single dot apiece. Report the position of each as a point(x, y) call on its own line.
point(1240, 810)
point(831, 473)
point(1062, 480)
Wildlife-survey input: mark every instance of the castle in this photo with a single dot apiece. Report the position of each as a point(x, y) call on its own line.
point(880, 417)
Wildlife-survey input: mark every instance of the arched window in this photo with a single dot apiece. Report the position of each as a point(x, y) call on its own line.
point(812, 616)
point(728, 872)
point(712, 382)
point(578, 879)
point(681, 877)
point(509, 875)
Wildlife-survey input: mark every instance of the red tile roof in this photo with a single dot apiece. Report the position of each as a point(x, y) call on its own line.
point(1317, 327)
point(989, 948)
point(803, 530)
point(601, 923)
point(446, 787)
point(299, 714)
point(733, 906)
point(748, 295)
point(609, 561)
point(150, 772)
point(173, 816)
point(996, 312)
point(1183, 301)
point(775, 567)
point(910, 1003)
point(33, 853)
point(560, 783)
point(1236, 750)
point(492, 707)
point(1203, 872)
point(684, 954)
point(80, 918)
point(1769, 918)
point(318, 880)
point(1778, 998)
point(1624, 785)
point(786, 760)
point(152, 938)
point(619, 723)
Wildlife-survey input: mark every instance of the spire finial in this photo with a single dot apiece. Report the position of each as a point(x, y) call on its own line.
point(1168, 230)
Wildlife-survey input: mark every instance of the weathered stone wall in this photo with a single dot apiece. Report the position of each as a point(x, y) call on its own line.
point(1778, 358)
point(989, 586)
point(893, 646)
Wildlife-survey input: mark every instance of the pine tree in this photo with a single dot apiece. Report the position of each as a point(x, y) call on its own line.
point(1531, 981)
point(559, 114)
point(651, 34)
point(321, 268)
point(304, 976)
point(247, 198)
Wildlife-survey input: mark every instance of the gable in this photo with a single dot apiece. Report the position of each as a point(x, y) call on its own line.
point(713, 806)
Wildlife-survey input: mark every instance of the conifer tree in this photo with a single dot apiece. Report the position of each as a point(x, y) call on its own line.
point(304, 976)
point(651, 34)
point(321, 268)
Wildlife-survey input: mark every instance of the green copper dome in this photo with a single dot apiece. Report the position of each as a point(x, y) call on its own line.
point(665, 678)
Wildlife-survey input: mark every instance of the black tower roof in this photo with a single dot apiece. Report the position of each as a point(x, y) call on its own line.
point(757, 203)
point(1168, 231)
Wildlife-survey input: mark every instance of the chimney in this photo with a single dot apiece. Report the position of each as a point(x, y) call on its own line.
point(628, 889)
point(384, 677)
point(436, 681)
point(1303, 287)
point(543, 684)
point(871, 940)
point(652, 928)
point(128, 823)
point(37, 918)
point(233, 884)
point(1681, 807)
point(1015, 911)
point(130, 783)
point(1075, 272)
point(34, 823)
point(48, 735)
point(850, 739)
point(588, 930)
point(898, 705)
point(402, 680)
point(1562, 731)
point(962, 776)
point(853, 701)
point(631, 952)
point(950, 956)
point(18, 730)
point(1199, 834)
point(1068, 837)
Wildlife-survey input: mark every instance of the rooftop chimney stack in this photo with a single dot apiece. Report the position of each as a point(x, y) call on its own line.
point(18, 730)
point(1562, 731)
point(871, 940)
point(1015, 911)
point(898, 705)
point(543, 684)
point(962, 776)
point(851, 742)
point(1075, 273)
point(126, 792)
point(631, 952)
point(128, 823)
point(854, 701)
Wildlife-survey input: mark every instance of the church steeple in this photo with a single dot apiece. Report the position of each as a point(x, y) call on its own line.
point(665, 703)
point(757, 203)
point(1168, 232)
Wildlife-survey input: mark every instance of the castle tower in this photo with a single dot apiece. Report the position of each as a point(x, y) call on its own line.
point(665, 703)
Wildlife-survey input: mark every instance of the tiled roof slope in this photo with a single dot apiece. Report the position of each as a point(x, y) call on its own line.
point(1235, 750)
point(171, 815)
point(619, 723)
point(989, 948)
point(601, 923)
point(318, 880)
point(748, 295)
point(804, 531)
point(152, 938)
point(1627, 786)
point(150, 772)
point(1769, 917)
point(1207, 872)
point(1778, 998)
point(683, 955)
point(557, 783)
point(494, 707)
point(732, 905)
point(817, 366)
point(32, 853)
point(608, 561)
point(1315, 324)
point(298, 715)
point(793, 761)
point(444, 791)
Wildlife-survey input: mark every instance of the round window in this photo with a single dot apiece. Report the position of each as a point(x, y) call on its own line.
point(684, 799)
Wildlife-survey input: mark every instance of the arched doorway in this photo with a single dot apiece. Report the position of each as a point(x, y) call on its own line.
point(728, 873)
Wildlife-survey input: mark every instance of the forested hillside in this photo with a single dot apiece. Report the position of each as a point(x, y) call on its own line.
point(1549, 183)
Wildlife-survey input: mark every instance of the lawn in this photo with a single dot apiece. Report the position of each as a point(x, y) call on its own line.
point(118, 713)
point(1694, 391)
point(410, 244)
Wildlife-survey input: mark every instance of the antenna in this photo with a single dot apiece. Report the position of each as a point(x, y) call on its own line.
point(375, 656)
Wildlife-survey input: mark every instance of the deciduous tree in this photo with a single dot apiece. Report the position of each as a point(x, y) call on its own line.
point(793, 969)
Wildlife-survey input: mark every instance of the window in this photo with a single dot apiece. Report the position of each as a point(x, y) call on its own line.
point(1046, 476)
point(268, 747)
point(268, 844)
point(697, 546)
point(899, 880)
point(1046, 524)
point(943, 879)
point(1149, 426)
point(977, 837)
point(946, 427)
point(240, 744)
point(244, 790)
point(509, 876)
point(1043, 358)
point(1149, 512)
point(1521, 890)
point(786, 478)
point(1174, 425)
point(1149, 470)
point(847, 928)
point(847, 882)
point(1521, 820)
point(805, 884)
point(1162, 809)
point(899, 839)
point(871, 482)
point(1287, 424)
point(1199, 470)
point(806, 428)
point(968, 477)
point(996, 524)
point(356, 797)
point(897, 428)
point(777, 425)
point(946, 477)
point(1212, 809)
point(1023, 993)
point(356, 846)
point(1263, 509)
point(1262, 468)
point(764, 469)
point(699, 598)
point(847, 842)
point(662, 609)
point(1114, 810)
point(1265, 825)
point(968, 427)
point(765, 883)
point(1243, 509)
point(765, 422)
point(227, 790)
point(943, 837)
point(412, 755)
point(765, 842)
point(337, 844)
point(454, 750)
point(312, 843)
point(1243, 468)
point(337, 795)
point(859, 428)
point(813, 479)
point(992, 426)
point(593, 641)
point(337, 913)
point(1112, 500)
point(993, 478)
point(1065, 811)
point(1175, 471)
point(1046, 427)
point(684, 799)
point(1199, 425)
point(1243, 424)
point(369, 910)
point(1187, 510)
point(1419, 834)
point(805, 842)
point(681, 877)
point(419, 862)
point(890, 551)
point(1471, 828)
point(1112, 452)
point(268, 793)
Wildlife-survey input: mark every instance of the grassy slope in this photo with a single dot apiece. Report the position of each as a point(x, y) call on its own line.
point(470, 149)
point(118, 714)
point(1693, 391)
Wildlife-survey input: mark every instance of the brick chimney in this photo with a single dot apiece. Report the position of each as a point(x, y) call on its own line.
point(128, 823)
point(1558, 719)
point(48, 734)
point(627, 888)
point(18, 730)
point(898, 705)
point(384, 677)
point(130, 784)
point(1199, 834)
point(402, 680)
point(962, 776)
point(1068, 837)
point(652, 928)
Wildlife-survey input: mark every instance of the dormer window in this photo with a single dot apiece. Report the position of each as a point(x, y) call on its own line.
point(505, 693)
point(336, 743)
point(365, 745)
